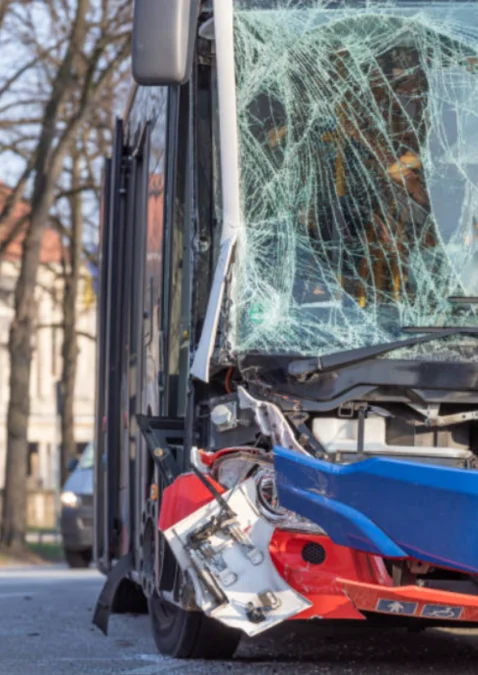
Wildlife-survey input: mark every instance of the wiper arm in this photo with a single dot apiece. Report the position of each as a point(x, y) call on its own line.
point(463, 300)
point(351, 356)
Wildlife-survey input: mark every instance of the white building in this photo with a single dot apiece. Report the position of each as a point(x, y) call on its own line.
point(43, 431)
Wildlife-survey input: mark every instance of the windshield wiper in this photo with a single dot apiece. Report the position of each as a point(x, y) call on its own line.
point(352, 356)
point(463, 300)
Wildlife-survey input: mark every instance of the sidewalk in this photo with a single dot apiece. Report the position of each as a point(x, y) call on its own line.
point(43, 537)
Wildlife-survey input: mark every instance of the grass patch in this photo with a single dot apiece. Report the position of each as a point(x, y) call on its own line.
point(38, 553)
point(42, 530)
point(47, 551)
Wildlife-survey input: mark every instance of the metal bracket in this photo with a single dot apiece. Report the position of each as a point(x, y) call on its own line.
point(447, 420)
point(306, 438)
point(158, 433)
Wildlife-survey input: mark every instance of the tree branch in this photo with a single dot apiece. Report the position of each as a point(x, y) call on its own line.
point(13, 234)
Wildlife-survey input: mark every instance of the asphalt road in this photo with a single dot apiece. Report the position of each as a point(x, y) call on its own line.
point(45, 629)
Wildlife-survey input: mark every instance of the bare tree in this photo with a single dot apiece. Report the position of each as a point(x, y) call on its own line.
point(84, 188)
point(86, 51)
point(85, 182)
point(70, 293)
point(4, 7)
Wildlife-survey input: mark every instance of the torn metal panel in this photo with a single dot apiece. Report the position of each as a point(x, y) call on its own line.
point(202, 357)
point(270, 421)
point(358, 130)
point(228, 560)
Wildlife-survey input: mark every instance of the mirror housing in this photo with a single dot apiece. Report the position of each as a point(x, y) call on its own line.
point(164, 33)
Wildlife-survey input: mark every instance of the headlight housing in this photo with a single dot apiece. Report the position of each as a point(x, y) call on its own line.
point(70, 499)
point(233, 469)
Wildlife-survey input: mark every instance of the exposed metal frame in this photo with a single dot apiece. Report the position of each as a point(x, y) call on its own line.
point(226, 76)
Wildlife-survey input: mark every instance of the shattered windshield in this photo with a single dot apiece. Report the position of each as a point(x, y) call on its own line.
point(358, 132)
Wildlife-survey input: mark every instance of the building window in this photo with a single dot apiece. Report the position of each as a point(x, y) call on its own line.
point(54, 346)
point(33, 464)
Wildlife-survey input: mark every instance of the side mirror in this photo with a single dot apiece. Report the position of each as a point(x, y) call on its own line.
point(164, 33)
point(72, 464)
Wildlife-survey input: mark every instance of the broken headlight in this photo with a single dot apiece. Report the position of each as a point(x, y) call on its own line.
point(233, 469)
point(268, 503)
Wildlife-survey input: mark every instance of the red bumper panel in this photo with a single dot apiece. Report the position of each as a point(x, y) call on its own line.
point(318, 582)
point(412, 601)
point(340, 582)
point(185, 496)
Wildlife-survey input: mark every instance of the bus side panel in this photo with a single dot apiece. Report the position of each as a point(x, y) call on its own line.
point(132, 498)
point(148, 120)
point(99, 494)
point(109, 435)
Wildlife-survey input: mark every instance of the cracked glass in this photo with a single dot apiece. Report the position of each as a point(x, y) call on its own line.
point(358, 134)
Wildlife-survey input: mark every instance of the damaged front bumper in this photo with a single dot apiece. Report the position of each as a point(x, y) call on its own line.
point(252, 574)
point(225, 554)
point(385, 507)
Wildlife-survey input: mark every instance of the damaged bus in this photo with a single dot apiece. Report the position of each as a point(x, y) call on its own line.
point(287, 377)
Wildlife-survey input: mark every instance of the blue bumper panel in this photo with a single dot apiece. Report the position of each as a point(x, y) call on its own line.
point(386, 507)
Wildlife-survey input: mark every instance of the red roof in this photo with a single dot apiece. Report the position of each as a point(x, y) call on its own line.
point(51, 244)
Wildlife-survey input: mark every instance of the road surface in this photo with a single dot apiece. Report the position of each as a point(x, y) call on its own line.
point(45, 629)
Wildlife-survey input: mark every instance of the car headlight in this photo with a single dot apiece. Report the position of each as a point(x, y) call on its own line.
point(70, 499)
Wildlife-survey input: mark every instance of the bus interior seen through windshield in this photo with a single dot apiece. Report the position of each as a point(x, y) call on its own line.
point(359, 174)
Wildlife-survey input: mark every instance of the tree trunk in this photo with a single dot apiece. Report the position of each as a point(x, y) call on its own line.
point(73, 105)
point(46, 171)
point(4, 7)
point(20, 352)
point(70, 346)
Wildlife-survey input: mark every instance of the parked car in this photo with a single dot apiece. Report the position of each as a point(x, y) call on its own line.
point(77, 512)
